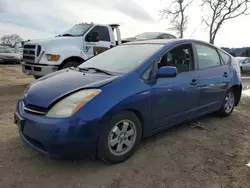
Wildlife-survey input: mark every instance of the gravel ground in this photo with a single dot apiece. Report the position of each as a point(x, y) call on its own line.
point(212, 155)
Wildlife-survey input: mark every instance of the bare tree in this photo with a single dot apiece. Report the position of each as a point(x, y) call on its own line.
point(176, 13)
point(11, 40)
point(223, 10)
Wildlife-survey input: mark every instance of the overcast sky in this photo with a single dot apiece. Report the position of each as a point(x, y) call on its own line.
point(33, 19)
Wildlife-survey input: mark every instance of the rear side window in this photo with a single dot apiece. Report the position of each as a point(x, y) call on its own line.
point(225, 57)
point(103, 33)
point(207, 56)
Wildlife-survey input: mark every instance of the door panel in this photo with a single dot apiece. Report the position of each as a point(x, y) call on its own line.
point(94, 48)
point(175, 99)
point(214, 78)
point(214, 83)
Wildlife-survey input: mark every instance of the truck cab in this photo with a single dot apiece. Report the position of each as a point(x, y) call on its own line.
point(71, 48)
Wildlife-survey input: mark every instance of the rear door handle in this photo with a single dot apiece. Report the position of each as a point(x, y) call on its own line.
point(225, 74)
point(194, 82)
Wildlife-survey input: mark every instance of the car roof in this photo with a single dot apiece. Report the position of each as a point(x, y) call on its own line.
point(172, 41)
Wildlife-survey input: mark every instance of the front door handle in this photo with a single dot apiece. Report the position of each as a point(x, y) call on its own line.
point(225, 74)
point(194, 82)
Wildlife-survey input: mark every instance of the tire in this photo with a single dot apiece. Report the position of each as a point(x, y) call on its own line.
point(37, 77)
point(228, 104)
point(109, 142)
point(70, 64)
point(241, 69)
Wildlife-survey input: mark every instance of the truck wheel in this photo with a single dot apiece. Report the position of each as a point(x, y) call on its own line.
point(70, 64)
point(37, 77)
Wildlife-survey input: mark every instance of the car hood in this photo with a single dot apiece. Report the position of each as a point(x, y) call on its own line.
point(56, 41)
point(52, 87)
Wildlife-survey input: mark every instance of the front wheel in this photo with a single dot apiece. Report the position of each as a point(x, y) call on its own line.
point(228, 104)
point(37, 77)
point(120, 138)
point(70, 64)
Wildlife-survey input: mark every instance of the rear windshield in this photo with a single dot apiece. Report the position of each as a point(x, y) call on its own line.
point(122, 59)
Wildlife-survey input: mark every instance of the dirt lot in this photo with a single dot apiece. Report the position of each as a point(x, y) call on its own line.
point(214, 156)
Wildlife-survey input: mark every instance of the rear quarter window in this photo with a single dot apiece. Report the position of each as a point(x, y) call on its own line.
point(225, 58)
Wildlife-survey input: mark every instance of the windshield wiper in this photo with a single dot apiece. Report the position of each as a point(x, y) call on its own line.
point(96, 69)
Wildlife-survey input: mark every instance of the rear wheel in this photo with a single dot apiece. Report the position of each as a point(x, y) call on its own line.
point(120, 138)
point(70, 64)
point(228, 104)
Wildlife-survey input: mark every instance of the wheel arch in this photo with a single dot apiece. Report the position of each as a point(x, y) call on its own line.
point(69, 59)
point(237, 90)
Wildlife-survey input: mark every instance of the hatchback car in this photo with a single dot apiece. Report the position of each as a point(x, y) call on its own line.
point(109, 103)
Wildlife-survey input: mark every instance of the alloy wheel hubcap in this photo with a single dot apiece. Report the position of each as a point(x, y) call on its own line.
point(122, 137)
point(229, 102)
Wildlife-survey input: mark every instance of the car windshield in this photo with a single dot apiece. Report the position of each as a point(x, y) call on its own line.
point(6, 50)
point(77, 30)
point(148, 35)
point(122, 59)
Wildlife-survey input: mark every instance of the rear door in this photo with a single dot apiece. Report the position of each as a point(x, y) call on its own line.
point(214, 77)
point(104, 43)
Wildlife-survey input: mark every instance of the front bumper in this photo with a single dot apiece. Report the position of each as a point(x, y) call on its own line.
point(10, 60)
point(38, 70)
point(57, 138)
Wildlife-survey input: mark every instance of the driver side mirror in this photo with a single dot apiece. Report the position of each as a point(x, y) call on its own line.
point(93, 37)
point(166, 72)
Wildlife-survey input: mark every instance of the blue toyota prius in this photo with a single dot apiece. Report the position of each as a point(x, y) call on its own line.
point(106, 105)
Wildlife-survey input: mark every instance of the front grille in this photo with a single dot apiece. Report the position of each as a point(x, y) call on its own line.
point(30, 52)
point(38, 50)
point(34, 109)
point(29, 57)
point(29, 46)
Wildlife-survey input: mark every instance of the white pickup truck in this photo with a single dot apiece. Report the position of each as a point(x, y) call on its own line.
point(71, 48)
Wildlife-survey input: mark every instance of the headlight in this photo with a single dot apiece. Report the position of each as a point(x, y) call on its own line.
point(52, 57)
point(72, 103)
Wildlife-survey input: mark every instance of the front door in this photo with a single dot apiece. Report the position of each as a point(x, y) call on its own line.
point(104, 43)
point(176, 99)
point(214, 78)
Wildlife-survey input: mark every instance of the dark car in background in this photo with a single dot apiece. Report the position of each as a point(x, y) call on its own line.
point(150, 35)
point(8, 55)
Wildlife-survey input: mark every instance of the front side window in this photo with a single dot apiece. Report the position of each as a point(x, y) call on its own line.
point(180, 57)
point(207, 56)
point(102, 31)
point(123, 58)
